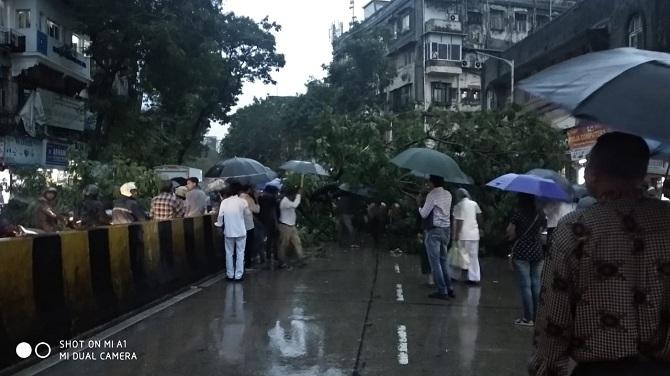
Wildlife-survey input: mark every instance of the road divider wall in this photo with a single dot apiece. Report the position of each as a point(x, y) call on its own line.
point(55, 286)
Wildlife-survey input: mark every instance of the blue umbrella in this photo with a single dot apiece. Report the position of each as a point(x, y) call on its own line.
point(625, 88)
point(530, 184)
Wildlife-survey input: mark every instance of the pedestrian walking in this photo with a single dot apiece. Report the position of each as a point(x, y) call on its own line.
point(345, 207)
point(91, 213)
point(377, 216)
point(436, 213)
point(269, 216)
point(196, 199)
point(46, 216)
point(288, 232)
point(467, 216)
point(606, 285)
point(127, 209)
point(231, 218)
point(248, 194)
point(527, 255)
point(166, 205)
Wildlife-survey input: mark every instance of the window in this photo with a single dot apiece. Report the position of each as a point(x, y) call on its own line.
point(77, 44)
point(445, 47)
point(497, 20)
point(23, 19)
point(542, 20)
point(474, 18)
point(440, 94)
point(405, 25)
point(404, 59)
point(470, 96)
point(635, 32)
point(54, 29)
point(401, 98)
point(521, 22)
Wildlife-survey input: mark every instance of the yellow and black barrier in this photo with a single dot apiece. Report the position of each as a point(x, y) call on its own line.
point(55, 286)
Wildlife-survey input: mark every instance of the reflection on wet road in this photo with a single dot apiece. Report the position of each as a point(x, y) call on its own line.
point(312, 321)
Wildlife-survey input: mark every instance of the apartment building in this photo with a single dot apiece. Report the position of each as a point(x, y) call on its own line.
point(439, 46)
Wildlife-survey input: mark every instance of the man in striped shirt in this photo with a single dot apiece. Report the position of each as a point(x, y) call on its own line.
point(436, 213)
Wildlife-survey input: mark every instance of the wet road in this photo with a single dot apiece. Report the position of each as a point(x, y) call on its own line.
point(353, 310)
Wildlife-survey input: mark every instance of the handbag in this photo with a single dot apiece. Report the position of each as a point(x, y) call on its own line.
point(516, 242)
point(456, 257)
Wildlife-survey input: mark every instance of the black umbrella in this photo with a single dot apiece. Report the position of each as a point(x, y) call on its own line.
point(243, 170)
point(431, 162)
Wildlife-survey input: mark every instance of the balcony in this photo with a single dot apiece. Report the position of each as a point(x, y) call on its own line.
point(443, 67)
point(12, 40)
point(443, 26)
point(42, 49)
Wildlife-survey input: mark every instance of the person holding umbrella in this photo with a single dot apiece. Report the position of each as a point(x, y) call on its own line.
point(527, 255)
point(436, 212)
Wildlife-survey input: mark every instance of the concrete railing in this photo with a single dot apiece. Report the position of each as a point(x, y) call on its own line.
point(56, 286)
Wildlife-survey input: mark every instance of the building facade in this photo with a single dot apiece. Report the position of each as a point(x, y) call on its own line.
point(44, 72)
point(437, 45)
point(592, 25)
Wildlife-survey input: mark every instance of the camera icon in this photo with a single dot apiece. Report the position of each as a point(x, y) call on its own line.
point(42, 350)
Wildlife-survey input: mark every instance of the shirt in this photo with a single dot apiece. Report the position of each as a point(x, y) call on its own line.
point(528, 245)
point(231, 217)
point(287, 210)
point(166, 206)
point(606, 286)
point(467, 211)
point(196, 203)
point(253, 209)
point(555, 210)
point(439, 202)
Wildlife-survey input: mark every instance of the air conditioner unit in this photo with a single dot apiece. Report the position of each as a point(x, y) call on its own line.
point(465, 63)
point(479, 64)
point(454, 18)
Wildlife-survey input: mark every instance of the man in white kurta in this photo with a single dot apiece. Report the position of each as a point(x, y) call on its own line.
point(231, 217)
point(466, 232)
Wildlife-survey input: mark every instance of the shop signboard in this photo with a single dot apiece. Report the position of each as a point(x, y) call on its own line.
point(22, 151)
point(55, 154)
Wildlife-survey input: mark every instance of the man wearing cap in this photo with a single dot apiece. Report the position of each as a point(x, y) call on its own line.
point(605, 300)
point(127, 209)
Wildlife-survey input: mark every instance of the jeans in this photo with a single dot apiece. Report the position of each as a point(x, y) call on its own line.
point(436, 241)
point(529, 275)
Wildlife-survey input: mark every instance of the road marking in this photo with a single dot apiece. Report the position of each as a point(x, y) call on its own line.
point(55, 358)
point(397, 268)
point(403, 354)
point(398, 293)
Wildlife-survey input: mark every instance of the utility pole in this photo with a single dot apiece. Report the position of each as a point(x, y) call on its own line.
point(511, 65)
point(551, 3)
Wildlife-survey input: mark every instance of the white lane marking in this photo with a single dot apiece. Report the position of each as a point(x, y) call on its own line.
point(55, 358)
point(397, 268)
point(399, 297)
point(403, 353)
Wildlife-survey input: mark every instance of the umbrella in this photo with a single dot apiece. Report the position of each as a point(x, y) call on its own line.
point(431, 162)
point(625, 88)
point(556, 177)
point(303, 167)
point(244, 170)
point(531, 184)
point(359, 190)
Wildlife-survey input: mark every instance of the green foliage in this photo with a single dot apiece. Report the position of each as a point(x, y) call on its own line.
point(185, 62)
point(489, 144)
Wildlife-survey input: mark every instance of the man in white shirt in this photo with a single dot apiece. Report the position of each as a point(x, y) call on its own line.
point(288, 232)
point(231, 218)
point(467, 216)
point(436, 237)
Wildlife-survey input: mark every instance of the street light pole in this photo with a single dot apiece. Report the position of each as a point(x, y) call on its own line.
point(511, 65)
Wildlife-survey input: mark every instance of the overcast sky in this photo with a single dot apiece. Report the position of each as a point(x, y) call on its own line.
point(304, 40)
